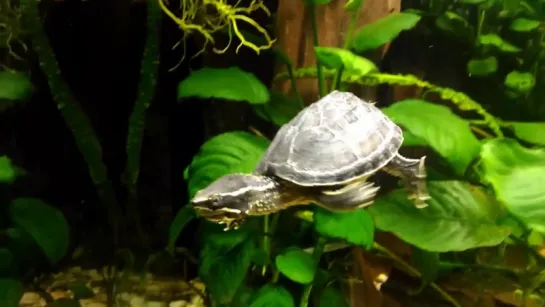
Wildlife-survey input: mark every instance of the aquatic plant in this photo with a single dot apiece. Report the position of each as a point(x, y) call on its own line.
point(34, 227)
point(504, 41)
point(486, 194)
point(31, 232)
point(208, 17)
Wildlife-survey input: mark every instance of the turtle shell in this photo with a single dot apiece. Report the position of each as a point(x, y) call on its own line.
point(336, 140)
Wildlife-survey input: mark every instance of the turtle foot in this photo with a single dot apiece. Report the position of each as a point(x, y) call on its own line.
point(414, 173)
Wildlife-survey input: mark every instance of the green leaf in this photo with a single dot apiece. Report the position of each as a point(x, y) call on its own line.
point(355, 227)
point(11, 292)
point(453, 23)
point(482, 67)
point(332, 297)
point(64, 302)
point(14, 85)
point(44, 223)
point(353, 5)
point(224, 83)
point(80, 290)
point(496, 41)
point(517, 175)
point(384, 30)
point(8, 171)
point(317, 2)
point(521, 82)
point(183, 217)
point(451, 136)
point(272, 295)
point(473, 1)
point(459, 217)
point(224, 261)
point(297, 265)
point(230, 152)
point(352, 64)
point(6, 259)
point(279, 110)
point(530, 132)
point(427, 263)
point(524, 25)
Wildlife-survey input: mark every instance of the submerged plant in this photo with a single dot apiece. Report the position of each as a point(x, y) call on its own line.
point(208, 17)
point(489, 195)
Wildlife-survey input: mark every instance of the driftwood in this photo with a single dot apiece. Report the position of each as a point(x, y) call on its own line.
point(294, 31)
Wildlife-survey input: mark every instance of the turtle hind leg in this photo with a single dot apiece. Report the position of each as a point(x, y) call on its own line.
point(350, 197)
point(413, 171)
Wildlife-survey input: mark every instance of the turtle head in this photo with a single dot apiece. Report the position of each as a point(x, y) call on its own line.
point(231, 198)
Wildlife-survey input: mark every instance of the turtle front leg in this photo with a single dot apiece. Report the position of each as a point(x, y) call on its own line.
point(350, 197)
point(413, 171)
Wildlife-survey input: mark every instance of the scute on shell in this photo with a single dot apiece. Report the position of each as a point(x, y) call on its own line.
point(335, 140)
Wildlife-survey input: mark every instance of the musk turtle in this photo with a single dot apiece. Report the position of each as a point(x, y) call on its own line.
point(325, 156)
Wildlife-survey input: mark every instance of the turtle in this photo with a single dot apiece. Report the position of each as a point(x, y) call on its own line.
point(324, 155)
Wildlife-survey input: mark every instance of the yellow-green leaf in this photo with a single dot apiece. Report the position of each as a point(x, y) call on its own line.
point(524, 25)
point(499, 43)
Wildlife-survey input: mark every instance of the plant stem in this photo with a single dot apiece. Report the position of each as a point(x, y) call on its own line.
point(455, 265)
point(146, 88)
point(415, 272)
point(319, 68)
point(346, 45)
point(316, 255)
point(294, 86)
point(75, 118)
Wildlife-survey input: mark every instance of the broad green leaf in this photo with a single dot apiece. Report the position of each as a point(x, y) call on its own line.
point(14, 86)
point(224, 261)
point(496, 41)
point(450, 136)
point(524, 25)
point(44, 223)
point(184, 216)
point(224, 83)
point(296, 265)
point(11, 292)
point(482, 67)
point(8, 171)
point(352, 64)
point(272, 295)
point(384, 30)
point(520, 82)
point(459, 217)
point(517, 175)
point(230, 152)
point(427, 263)
point(353, 5)
point(530, 132)
point(332, 297)
point(355, 227)
point(279, 110)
